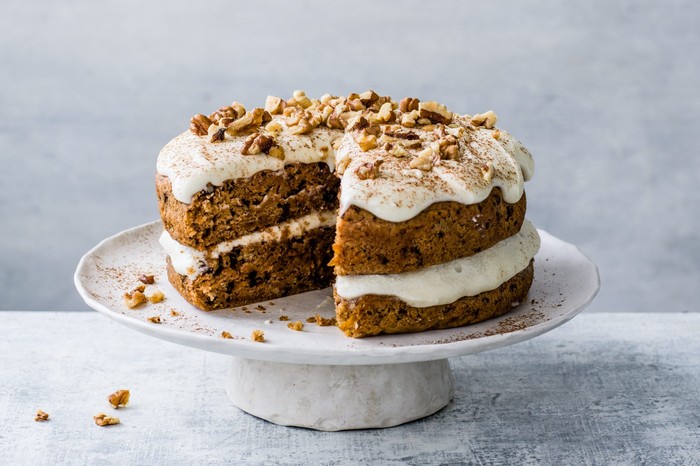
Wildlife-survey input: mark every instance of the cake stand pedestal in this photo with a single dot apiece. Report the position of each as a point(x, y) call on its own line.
point(335, 397)
point(318, 378)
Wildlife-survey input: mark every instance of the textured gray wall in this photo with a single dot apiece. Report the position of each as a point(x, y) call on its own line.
point(604, 94)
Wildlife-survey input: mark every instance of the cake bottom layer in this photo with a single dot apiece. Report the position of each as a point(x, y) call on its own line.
point(261, 271)
point(373, 314)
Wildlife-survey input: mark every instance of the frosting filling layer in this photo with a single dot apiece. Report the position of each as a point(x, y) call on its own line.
point(450, 281)
point(192, 262)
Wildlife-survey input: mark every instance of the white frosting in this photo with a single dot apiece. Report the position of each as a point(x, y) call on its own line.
point(400, 194)
point(192, 262)
point(191, 162)
point(450, 281)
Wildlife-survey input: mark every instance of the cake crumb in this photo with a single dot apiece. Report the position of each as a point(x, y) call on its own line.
point(244, 308)
point(258, 336)
point(103, 420)
point(227, 335)
point(174, 313)
point(284, 318)
point(323, 322)
point(260, 307)
point(154, 319)
point(298, 326)
point(311, 319)
point(147, 279)
point(268, 322)
point(41, 416)
point(156, 297)
point(119, 399)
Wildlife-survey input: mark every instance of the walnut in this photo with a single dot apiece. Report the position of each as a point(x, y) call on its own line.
point(496, 134)
point(274, 127)
point(396, 149)
point(218, 135)
point(368, 98)
point(335, 122)
point(147, 279)
point(257, 143)
point(276, 152)
point(435, 112)
point(425, 122)
point(326, 98)
point(303, 126)
point(409, 119)
point(408, 104)
point(119, 399)
point(199, 124)
point(487, 120)
point(284, 318)
point(488, 171)
point(357, 123)
point(386, 113)
point(41, 416)
point(226, 335)
point(103, 420)
point(323, 322)
point(451, 152)
point(251, 119)
point(225, 115)
point(274, 105)
point(341, 165)
point(154, 319)
point(134, 298)
point(156, 297)
point(355, 104)
point(400, 133)
point(424, 160)
point(301, 99)
point(369, 170)
point(298, 325)
point(258, 336)
point(366, 141)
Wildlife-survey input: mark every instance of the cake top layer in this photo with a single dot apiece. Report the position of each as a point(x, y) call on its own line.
point(395, 159)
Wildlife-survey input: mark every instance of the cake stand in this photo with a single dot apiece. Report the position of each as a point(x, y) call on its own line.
point(317, 377)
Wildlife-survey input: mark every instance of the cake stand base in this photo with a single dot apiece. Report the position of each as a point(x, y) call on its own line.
point(332, 398)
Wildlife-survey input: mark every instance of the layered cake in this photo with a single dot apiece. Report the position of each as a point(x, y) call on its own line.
point(415, 214)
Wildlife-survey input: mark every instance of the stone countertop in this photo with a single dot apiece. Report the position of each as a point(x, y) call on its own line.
point(605, 388)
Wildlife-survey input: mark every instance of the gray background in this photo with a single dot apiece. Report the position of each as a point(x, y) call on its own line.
point(604, 94)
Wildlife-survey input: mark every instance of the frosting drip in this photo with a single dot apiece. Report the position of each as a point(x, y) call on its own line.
point(450, 281)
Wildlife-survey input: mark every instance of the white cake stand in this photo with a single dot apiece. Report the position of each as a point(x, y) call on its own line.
point(317, 377)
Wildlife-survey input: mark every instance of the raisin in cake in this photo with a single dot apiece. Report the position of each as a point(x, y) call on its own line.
point(414, 213)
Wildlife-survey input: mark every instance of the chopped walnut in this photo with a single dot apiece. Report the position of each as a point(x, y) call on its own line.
point(488, 171)
point(409, 119)
point(156, 297)
point(298, 325)
point(154, 319)
point(303, 126)
point(284, 318)
point(119, 399)
point(218, 135)
point(355, 104)
point(396, 149)
point(342, 164)
point(408, 104)
point(369, 170)
point(103, 420)
point(323, 322)
point(199, 124)
point(435, 112)
point(251, 119)
point(368, 98)
point(276, 152)
point(41, 416)
point(257, 143)
point(258, 336)
point(386, 113)
point(423, 161)
point(274, 127)
point(366, 141)
point(274, 105)
point(311, 320)
point(488, 119)
point(147, 279)
point(301, 99)
point(226, 335)
point(135, 297)
point(496, 133)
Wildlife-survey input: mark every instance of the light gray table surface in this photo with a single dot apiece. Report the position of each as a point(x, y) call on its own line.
point(603, 389)
point(604, 94)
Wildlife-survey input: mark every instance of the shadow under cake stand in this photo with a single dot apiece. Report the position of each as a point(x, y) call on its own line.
point(318, 378)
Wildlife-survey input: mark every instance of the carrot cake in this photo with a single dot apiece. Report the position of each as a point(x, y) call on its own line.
point(415, 214)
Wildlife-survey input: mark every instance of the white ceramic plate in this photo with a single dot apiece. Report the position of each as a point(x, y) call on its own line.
point(565, 283)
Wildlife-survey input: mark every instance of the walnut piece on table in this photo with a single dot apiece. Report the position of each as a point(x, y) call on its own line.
point(41, 416)
point(119, 399)
point(297, 326)
point(258, 336)
point(104, 420)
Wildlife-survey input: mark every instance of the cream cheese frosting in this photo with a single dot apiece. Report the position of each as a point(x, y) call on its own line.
point(192, 262)
point(191, 162)
point(400, 193)
point(450, 281)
